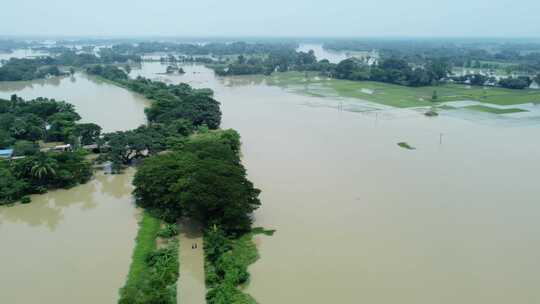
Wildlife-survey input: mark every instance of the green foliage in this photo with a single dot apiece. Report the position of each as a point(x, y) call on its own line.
point(26, 200)
point(171, 103)
point(41, 171)
point(27, 120)
point(11, 187)
point(25, 148)
point(226, 265)
point(154, 271)
point(168, 231)
point(88, 132)
point(203, 180)
point(28, 69)
point(405, 145)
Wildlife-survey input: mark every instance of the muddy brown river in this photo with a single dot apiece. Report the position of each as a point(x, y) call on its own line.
point(358, 218)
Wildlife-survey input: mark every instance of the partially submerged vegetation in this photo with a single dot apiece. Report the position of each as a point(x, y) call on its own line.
point(154, 270)
point(17, 69)
point(482, 108)
point(30, 169)
point(405, 145)
point(397, 95)
point(226, 263)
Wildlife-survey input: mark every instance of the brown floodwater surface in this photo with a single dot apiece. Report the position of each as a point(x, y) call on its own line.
point(97, 101)
point(69, 246)
point(361, 220)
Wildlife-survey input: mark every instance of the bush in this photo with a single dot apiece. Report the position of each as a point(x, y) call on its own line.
point(26, 200)
point(168, 231)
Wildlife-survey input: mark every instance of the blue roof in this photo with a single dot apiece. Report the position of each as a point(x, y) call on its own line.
point(6, 152)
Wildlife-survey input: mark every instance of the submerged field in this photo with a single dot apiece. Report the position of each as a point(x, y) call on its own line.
point(399, 96)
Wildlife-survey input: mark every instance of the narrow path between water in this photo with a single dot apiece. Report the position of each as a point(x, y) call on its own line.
point(191, 287)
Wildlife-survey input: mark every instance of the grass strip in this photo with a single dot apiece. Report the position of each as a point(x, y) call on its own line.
point(486, 109)
point(145, 243)
point(153, 271)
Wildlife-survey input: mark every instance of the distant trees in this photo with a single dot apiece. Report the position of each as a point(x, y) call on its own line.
point(28, 69)
point(518, 83)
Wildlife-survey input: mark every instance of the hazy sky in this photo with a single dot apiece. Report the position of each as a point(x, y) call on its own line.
point(493, 18)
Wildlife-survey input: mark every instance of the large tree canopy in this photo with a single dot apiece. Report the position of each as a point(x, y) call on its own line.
point(203, 180)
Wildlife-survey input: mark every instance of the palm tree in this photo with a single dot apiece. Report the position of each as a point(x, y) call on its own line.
point(43, 166)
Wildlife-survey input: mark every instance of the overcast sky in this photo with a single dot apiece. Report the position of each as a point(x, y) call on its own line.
point(428, 18)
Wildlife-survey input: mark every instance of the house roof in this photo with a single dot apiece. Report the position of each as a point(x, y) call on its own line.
point(6, 152)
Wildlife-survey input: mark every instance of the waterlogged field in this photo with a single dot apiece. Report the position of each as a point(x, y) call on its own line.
point(395, 95)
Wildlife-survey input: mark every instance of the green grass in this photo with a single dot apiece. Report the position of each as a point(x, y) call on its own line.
point(227, 272)
point(145, 243)
point(153, 273)
point(482, 108)
point(396, 95)
point(405, 145)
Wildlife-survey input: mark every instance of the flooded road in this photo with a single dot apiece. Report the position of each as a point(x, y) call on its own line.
point(191, 285)
point(69, 246)
point(360, 219)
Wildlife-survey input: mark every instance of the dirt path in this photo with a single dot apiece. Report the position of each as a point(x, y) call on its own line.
point(191, 288)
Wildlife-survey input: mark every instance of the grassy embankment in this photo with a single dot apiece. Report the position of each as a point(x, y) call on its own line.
point(154, 269)
point(402, 96)
point(226, 264)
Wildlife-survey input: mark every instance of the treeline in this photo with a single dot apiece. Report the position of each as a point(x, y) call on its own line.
point(276, 61)
point(510, 56)
point(217, 49)
point(515, 83)
point(395, 70)
point(7, 45)
point(176, 112)
point(23, 124)
point(29, 69)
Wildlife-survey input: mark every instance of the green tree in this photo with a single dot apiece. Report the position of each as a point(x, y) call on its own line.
point(43, 166)
point(88, 132)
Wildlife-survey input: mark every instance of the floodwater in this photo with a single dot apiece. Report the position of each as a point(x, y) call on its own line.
point(191, 287)
point(69, 246)
point(75, 245)
point(22, 53)
point(97, 101)
point(360, 219)
point(337, 56)
point(322, 53)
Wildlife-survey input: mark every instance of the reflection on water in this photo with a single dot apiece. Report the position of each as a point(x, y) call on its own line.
point(97, 101)
point(69, 246)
